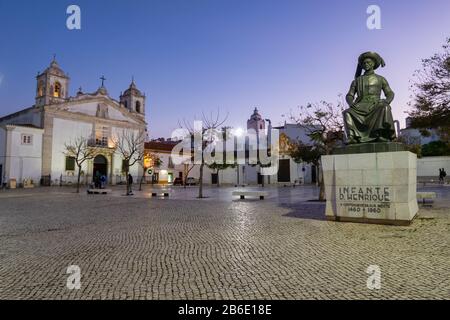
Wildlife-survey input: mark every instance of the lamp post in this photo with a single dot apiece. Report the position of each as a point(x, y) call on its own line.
point(269, 141)
point(238, 132)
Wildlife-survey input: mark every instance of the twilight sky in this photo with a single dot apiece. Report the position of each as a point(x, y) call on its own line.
point(194, 55)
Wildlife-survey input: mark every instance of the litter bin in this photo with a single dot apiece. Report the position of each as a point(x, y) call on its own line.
point(12, 183)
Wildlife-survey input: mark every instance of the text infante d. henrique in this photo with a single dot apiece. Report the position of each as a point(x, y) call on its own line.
point(379, 194)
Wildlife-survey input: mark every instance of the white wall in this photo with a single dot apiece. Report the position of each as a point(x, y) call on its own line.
point(2, 153)
point(24, 160)
point(429, 166)
point(65, 131)
point(249, 175)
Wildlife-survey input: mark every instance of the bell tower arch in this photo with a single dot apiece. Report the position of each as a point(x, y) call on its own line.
point(52, 85)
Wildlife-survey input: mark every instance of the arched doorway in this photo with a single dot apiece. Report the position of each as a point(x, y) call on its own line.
point(100, 166)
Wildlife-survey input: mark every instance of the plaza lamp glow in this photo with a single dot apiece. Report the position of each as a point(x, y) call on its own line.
point(148, 162)
point(238, 132)
point(111, 144)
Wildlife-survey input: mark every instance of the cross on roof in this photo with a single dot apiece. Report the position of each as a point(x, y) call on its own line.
point(103, 80)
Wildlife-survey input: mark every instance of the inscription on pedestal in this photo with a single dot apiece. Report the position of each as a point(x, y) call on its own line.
point(363, 200)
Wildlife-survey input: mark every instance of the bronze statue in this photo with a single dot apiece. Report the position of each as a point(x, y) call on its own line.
point(369, 118)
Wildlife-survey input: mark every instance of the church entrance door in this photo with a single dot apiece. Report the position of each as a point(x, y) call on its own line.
point(100, 166)
point(284, 170)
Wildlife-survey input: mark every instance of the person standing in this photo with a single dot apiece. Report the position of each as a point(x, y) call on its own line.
point(130, 183)
point(444, 174)
point(103, 181)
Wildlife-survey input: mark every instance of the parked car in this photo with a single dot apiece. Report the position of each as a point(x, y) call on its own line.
point(178, 182)
point(191, 181)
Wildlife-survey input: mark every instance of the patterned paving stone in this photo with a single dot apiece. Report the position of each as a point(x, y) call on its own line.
point(137, 248)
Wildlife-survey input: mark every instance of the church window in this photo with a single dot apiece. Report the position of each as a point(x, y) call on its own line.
point(126, 104)
point(27, 139)
point(57, 90)
point(101, 136)
point(138, 107)
point(70, 163)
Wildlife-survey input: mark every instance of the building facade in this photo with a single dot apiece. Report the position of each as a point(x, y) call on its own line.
point(289, 171)
point(413, 136)
point(57, 119)
point(162, 167)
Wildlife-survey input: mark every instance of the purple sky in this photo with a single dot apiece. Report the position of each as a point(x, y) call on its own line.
point(195, 55)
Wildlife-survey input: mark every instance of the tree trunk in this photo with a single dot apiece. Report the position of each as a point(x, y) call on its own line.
point(78, 179)
point(200, 182)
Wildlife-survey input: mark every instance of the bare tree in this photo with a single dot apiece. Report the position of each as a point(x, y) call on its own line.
point(80, 150)
point(130, 145)
point(324, 125)
point(208, 133)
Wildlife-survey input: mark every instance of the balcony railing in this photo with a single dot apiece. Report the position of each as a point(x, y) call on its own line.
point(99, 143)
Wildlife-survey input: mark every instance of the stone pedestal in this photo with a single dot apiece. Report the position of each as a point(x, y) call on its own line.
point(377, 187)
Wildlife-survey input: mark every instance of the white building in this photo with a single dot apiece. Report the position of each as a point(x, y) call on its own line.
point(23, 145)
point(166, 171)
point(32, 141)
point(289, 171)
point(414, 136)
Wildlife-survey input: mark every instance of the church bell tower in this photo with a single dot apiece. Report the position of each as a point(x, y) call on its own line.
point(133, 100)
point(256, 122)
point(52, 85)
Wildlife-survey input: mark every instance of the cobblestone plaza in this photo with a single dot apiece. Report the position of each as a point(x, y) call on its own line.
point(215, 248)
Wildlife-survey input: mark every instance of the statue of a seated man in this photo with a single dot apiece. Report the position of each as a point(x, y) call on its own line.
point(369, 118)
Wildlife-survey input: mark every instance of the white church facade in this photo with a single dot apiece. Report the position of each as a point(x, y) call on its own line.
point(32, 141)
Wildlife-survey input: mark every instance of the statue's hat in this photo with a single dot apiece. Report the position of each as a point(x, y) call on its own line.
point(372, 55)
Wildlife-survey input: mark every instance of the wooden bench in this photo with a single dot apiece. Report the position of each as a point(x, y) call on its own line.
point(243, 194)
point(426, 196)
point(160, 194)
point(98, 191)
